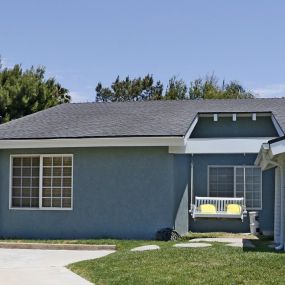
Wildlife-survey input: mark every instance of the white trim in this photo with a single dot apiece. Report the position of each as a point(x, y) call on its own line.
point(92, 142)
point(215, 117)
point(234, 191)
point(277, 126)
point(278, 147)
point(40, 208)
point(192, 126)
point(239, 114)
point(220, 145)
point(253, 116)
point(234, 117)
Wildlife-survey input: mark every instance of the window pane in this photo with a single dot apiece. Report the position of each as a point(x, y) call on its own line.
point(17, 161)
point(46, 192)
point(56, 182)
point(221, 181)
point(26, 192)
point(27, 161)
point(66, 192)
point(57, 161)
point(56, 203)
point(16, 192)
point(56, 192)
point(67, 171)
point(67, 161)
point(17, 171)
point(253, 187)
point(46, 182)
point(35, 171)
point(47, 171)
point(57, 179)
point(66, 203)
point(25, 182)
point(57, 171)
point(16, 202)
point(46, 202)
point(47, 161)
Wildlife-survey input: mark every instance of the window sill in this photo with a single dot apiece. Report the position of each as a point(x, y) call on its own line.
point(41, 209)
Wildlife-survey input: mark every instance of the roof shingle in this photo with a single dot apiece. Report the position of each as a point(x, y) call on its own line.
point(151, 118)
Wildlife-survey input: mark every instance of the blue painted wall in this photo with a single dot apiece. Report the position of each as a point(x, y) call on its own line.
point(201, 163)
point(226, 127)
point(126, 193)
point(118, 192)
point(181, 190)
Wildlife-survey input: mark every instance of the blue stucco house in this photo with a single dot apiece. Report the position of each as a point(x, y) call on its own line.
point(127, 170)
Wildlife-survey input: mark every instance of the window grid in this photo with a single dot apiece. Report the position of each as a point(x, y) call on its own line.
point(62, 165)
point(247, 183)
point(24, 192)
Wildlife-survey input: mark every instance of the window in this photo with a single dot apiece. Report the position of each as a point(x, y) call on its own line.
point(236, 181)
point(41, 181)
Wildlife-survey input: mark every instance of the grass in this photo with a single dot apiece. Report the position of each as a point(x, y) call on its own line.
point(218, 264)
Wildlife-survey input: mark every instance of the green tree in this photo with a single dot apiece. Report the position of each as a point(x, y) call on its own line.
point(209, 88)
point(23, 92)
point(137, 89)
point(142, 89)
point(176, 89)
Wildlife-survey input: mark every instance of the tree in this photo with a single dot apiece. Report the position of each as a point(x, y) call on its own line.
point(176, 89)
point(210, 89)
point(23, 92)
point(142, 89)
point(137, 89)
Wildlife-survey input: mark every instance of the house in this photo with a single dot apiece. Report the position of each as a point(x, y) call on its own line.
point(126, 170)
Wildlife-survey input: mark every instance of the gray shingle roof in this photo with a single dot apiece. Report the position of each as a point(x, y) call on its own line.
point(152, 118)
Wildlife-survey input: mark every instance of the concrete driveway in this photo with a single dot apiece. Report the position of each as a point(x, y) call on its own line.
point(43, 267)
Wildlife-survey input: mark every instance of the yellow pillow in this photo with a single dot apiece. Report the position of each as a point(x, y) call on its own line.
point(208, 208)
point(233, 209)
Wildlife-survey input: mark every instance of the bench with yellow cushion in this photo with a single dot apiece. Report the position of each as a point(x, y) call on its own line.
point(208, 209)
point(233, 209)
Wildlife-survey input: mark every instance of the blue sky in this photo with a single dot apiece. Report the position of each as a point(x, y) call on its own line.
point(83, 42)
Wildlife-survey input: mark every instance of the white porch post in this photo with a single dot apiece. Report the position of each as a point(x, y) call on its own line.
point(282, 210)
point(277, 206)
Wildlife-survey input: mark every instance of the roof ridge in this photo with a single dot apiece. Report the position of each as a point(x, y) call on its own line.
point(183, 100)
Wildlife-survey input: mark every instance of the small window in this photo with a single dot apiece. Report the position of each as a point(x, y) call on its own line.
point(236, 181)
point(43, 181)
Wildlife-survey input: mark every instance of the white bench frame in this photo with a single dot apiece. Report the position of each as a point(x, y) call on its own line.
point(220, 203)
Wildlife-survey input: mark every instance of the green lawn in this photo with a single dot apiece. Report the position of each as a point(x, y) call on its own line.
point(218, 264)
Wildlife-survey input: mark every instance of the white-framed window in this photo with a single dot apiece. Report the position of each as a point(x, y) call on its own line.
point(236, 181)
point(41, 181)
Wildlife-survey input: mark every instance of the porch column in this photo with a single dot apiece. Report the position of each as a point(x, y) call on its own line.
point(277, 206)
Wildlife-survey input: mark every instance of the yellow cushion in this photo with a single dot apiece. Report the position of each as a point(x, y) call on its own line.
point(233, 209)
point(208, 208)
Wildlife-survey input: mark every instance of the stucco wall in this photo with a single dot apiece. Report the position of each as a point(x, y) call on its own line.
point(201, 163)
point(118, 192)
point(226, 127)
point(181, 188)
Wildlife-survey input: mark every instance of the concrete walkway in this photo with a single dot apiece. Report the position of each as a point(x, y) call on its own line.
point(234, 242)
point(43, 267)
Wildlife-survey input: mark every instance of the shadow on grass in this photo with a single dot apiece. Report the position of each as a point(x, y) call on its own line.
point(260, 245)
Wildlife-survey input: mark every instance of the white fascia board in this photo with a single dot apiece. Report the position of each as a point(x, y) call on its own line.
point(277, 126)
point(278, 147)
point(191, 128)
point(92, 142)
point(221, 145)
